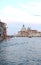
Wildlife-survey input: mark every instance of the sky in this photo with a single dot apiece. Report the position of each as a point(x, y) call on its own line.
point(18, 12)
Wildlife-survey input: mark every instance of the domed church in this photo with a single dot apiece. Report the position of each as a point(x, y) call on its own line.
point(23, 32)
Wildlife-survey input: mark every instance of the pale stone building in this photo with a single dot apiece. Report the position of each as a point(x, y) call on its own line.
point(23, 32)
point(28, 32)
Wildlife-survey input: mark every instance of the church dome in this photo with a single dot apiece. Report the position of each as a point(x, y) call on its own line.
point(23, 28)
point(29, 28)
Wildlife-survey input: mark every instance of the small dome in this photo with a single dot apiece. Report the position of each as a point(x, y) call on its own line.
point(29, 28)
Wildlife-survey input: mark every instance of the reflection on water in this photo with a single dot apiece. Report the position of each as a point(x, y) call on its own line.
point(20, 51)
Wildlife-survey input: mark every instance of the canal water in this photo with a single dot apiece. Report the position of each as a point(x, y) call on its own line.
point(21, 51)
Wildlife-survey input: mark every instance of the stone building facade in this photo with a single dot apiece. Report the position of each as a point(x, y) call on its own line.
point(3, 32)
point(27, 32)
point(22, 32)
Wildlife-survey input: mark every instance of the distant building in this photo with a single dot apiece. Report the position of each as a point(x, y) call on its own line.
point(3, 32)
point(31, 30)
point(27, 32)
point(22, 32)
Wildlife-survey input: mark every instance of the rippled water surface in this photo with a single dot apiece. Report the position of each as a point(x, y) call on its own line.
point(20, 51)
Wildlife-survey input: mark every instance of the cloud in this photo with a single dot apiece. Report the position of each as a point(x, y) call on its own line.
point(9, 13)
point(32, 7)
point(23, 14)
point(14, 14)
point(37, 15)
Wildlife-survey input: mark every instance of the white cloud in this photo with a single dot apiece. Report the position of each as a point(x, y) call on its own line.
point(14, 14)
point(26, 16)
point(32, 7)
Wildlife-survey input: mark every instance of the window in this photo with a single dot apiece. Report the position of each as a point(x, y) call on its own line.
point(0, 34)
